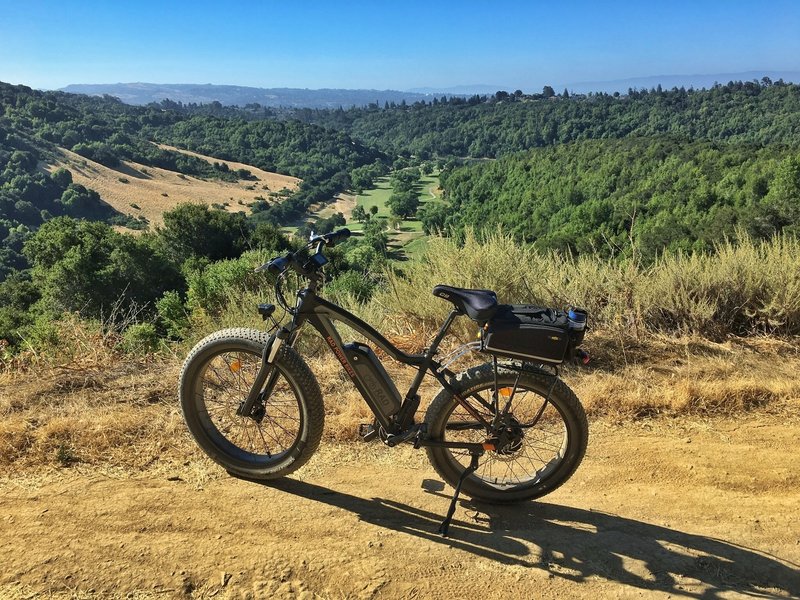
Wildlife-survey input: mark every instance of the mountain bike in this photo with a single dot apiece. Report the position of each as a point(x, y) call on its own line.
point(505, 431)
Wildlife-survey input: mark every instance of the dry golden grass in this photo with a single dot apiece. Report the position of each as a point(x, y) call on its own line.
point(343, 203)
point(745, 288)
point(156, 190)
point(267, 176)
point(690, 377)
point(86, 402)
point(89, 405)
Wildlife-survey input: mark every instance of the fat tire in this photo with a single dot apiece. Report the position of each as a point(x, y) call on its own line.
point(291, 366)
point(561, 396)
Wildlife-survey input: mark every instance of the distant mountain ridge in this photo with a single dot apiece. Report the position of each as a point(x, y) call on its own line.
point(229, 95)
point(463, 90)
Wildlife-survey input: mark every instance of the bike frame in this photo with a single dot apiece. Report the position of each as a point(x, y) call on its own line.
point(322, 315)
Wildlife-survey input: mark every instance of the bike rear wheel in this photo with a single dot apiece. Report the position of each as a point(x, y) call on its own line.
point(549, 434)
point(217, 376)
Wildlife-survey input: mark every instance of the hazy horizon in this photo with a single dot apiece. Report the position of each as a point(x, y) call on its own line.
point(354, 45)
point(696, 81)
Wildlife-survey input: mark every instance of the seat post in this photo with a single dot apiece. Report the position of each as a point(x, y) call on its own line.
point(412, 399)
point(442, 332)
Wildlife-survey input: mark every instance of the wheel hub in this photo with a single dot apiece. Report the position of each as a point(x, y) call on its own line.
point(257, 414)
point(511, 439)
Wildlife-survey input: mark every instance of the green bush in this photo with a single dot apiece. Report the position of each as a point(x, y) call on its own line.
point(141, 338)
point(42, 334)
point(17, 295)
point(211, 288)
point(173, 314)
point(88, 267)
point(349, 286)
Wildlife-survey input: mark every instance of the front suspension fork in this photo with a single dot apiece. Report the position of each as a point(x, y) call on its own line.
point(267, 375)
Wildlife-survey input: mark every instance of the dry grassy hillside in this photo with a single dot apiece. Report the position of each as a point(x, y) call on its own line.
point(154, 190)
point(94, 405)
point(343, 203)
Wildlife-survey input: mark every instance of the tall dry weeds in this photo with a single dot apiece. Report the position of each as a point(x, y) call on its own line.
point(740, 289)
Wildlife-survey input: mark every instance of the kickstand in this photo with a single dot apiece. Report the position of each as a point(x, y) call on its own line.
point(473, 466)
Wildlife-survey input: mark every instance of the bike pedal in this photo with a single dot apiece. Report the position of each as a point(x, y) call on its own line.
point(367, 431)
point(412, 433)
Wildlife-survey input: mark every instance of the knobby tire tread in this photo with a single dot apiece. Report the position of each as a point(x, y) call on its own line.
point(440, 408)
point(291, 362)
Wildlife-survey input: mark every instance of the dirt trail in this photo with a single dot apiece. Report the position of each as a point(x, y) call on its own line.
point(685, 508)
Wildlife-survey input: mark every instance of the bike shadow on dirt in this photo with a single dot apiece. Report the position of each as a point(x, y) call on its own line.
point(577, 544)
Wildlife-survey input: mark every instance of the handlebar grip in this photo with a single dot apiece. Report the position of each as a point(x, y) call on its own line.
point(278, 264)
point(334, 238)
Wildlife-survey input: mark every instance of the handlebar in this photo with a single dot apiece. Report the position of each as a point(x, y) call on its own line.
point(277, 265)
point(331, 239)
point(280, 264)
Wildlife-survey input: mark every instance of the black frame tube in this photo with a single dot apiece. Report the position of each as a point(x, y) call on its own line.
point(321, 314)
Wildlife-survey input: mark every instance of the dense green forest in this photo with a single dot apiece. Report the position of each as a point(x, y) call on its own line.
point(488, 127)
point(599, 196)
point(643, 173)
point(664, 169)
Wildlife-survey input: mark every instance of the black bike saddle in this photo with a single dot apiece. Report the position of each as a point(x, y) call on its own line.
point(478, 305)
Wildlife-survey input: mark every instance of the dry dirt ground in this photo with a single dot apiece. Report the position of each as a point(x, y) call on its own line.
point(685, 507)
point(156, 190)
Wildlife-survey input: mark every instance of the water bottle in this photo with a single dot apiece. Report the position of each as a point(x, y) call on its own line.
point(577, 319)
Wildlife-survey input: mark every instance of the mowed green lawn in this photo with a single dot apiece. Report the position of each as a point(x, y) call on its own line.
point(410, 228)
point(409, 239)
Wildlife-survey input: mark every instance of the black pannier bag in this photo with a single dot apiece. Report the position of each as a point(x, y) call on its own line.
point(534, 333)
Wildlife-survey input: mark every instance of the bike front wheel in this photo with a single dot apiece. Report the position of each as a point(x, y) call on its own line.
point(286, 427)
point(548, 433)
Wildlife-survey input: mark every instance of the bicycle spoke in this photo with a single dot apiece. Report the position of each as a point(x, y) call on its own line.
point(535, 449)
point(226, 382)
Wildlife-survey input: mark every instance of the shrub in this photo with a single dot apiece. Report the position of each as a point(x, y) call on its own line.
point(192, 230)
point(88, 267)
point(141, 338)
point(211, 288)
point(42, 334)
point(350, 286)
point(173, 315)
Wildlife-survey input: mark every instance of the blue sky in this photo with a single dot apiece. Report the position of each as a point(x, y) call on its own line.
point(398, 45)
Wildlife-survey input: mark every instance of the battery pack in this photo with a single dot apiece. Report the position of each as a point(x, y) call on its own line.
point(375, 383)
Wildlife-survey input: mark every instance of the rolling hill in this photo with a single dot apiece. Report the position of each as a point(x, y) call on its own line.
point(139, 190)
